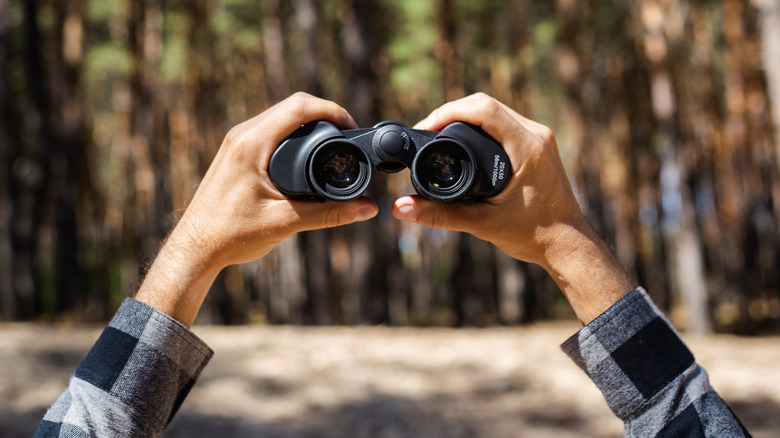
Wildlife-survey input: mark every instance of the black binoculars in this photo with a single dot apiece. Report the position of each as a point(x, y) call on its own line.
point(319, 161)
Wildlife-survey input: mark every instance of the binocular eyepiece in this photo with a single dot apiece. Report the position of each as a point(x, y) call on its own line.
point(319, 161)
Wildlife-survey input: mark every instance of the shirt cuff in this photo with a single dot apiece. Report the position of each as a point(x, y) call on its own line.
point(631, 353)
point(147, 360)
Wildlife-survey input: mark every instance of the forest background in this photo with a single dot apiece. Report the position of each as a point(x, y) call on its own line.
point(666, 112)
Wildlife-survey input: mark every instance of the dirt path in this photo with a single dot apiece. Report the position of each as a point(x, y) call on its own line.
point(384, 382)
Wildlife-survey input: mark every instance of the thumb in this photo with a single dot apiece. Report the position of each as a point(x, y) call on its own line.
point(316, 215)
point(446, 215)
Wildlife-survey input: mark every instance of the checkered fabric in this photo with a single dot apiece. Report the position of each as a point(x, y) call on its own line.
point(133, 380)
point(144, 364)
point(648, 376)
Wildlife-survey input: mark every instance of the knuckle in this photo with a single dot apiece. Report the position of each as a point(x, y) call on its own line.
point(481, 95)
point(236, 141)
point(546, 134)
point(488, 106)
point(234, 135)
point(334, 216)
point(297, 104)
point(300, 96)
point(438, 218)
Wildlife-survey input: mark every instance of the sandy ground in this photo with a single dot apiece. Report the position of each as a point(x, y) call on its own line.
point(384, 382)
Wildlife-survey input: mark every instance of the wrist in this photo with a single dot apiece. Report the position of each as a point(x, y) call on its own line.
point(180, 277)
point(584, 268)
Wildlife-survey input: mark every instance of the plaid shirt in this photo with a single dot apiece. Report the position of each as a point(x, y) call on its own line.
point(144, 364)
point(133, 380)
point(648, 376)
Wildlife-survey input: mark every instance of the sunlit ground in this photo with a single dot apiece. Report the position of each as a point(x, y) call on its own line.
point(384, 382)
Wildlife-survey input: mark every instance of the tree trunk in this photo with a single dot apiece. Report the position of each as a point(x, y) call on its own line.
point(307, 18)
point(7, 134)
point(372, 253)
point(450, 64)
point(511, 289)
point(68, 158)
point(288, 296)
point(273, 44)
point(473, 282)
point(679, 214)
point(581, 153)
point(769, 22)
point(359, 46)
point(419, 255)
point(29, 167)
point(148, 166)
point(320, 301)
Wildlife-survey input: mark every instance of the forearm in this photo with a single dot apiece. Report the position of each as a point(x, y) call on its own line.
point(180, 277)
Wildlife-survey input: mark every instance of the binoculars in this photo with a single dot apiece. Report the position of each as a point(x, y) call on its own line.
point(321, 162)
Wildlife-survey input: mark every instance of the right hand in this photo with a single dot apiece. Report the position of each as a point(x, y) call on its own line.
point(237, 214)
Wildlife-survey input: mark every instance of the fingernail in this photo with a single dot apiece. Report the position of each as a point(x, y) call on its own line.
point(407, 212)
point(420, 124)
point(354, 124)
point(365, 214)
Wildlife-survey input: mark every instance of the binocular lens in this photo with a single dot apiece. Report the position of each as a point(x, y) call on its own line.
point(442, 169)
point(340, 169)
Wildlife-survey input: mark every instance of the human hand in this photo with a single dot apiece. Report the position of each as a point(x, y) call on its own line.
point(237, 214)
point(238, 211)
point(536, 217)
point(537, 197)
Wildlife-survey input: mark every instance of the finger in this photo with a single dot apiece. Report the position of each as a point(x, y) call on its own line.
point(421, 124)
point(445, 215)
point(493, 117)
point(282, 119)
point(478, 109)
point(481, 110)
point(484, 111)
point(301, 108)
point(316, 215)
point(258, 137)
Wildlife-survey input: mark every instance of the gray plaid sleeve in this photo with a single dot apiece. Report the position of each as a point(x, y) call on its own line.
point(133, 380)
point(648, 376)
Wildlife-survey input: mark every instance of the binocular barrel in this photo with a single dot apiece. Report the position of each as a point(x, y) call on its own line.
point(319, 161)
